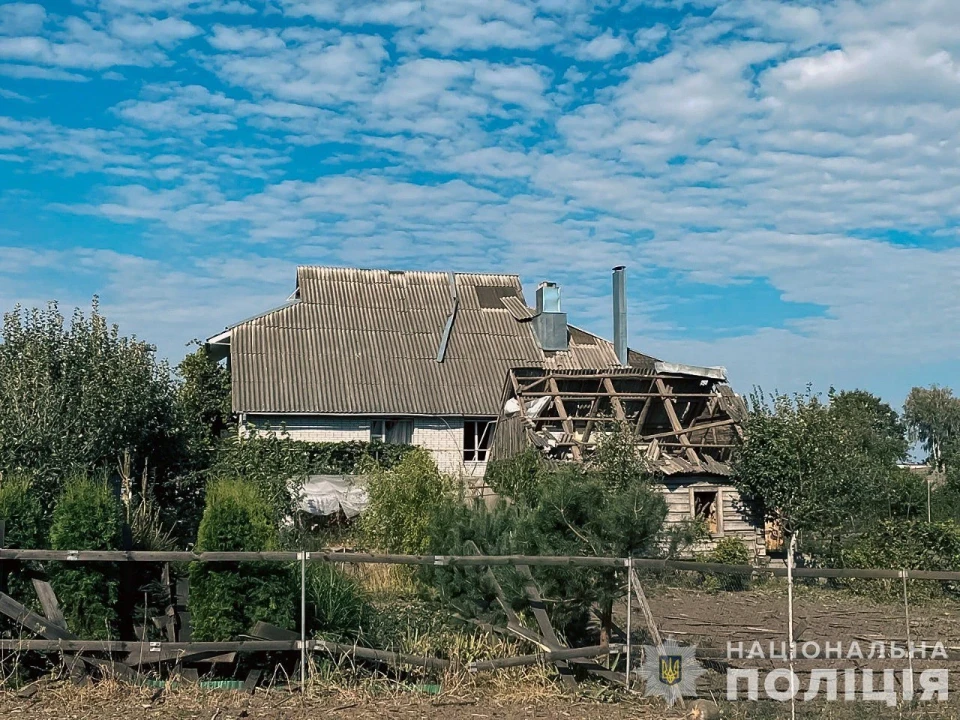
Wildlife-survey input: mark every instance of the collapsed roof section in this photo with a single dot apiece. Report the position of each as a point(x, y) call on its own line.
point(687, 419)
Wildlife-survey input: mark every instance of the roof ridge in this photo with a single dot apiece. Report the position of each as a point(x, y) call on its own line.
point(389, 270)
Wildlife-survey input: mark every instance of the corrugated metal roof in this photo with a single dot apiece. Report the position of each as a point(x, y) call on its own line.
point(365, 342)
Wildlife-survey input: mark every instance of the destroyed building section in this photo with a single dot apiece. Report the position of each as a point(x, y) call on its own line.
point(687, 419)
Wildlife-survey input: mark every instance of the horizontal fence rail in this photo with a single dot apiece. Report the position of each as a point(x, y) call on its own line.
point(468, 561)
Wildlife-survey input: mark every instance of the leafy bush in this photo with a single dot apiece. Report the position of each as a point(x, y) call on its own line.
point(275, 463)
point(729, 550)
point(404, 502)
point(87, 517)
point(337, 606)
point(899, 545)
point(227, 599)
point(519, 478)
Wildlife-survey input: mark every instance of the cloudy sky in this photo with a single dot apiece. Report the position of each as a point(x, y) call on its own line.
point(781, 179)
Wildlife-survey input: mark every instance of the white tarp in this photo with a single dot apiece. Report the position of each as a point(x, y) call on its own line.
point(329, 494)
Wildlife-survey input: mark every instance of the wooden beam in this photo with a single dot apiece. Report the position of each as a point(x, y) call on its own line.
point(33, 622)
point(648, 616)
point(585, 438)
point(549, 656)
point(546, 629)
point(49, 603)
point(705, 426)
point(622, 395)
point(644, 411)
point(336, 557)
point(668, 403)
point(618, 411)
point(565, 419)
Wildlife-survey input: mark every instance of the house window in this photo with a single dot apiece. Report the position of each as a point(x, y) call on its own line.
point(476, 440)
point(705, 506)
point(392, 431)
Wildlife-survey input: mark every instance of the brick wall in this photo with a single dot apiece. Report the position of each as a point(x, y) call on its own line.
point(443, 437)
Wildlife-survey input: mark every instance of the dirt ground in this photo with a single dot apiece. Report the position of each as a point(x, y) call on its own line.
point(70, 703)
point(712, 620)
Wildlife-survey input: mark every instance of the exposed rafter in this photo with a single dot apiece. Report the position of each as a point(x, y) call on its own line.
point(687, 422)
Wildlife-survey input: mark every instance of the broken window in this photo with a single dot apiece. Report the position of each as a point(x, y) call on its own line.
point(706, 508)
point(395, 431)
point(476, 440)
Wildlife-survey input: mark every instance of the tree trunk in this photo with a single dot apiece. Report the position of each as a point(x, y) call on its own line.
point(606, 621)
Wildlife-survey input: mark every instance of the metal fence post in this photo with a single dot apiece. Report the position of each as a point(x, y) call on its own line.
point(906, 615)
point(790, 637)
point(303, 621)
point(629, 617)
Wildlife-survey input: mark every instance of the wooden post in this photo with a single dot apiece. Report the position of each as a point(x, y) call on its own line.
point(127, 595)
point(3, 565)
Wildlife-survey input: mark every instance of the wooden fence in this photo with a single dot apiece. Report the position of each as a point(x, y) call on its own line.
point(127, 658)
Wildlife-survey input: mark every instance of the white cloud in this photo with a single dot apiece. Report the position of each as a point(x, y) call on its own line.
point(250, 39)
point(21, 18)
point(140, 30)
point(11, 95)
point(39, 73)
point(602, 47)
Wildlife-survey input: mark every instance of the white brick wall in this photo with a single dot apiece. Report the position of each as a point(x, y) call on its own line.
point(443, 437)
point(316, 429)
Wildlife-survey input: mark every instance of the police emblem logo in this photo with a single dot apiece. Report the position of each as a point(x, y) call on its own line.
point(670, 671)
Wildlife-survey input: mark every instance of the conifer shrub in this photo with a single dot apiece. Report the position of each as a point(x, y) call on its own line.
point(227, 599)
point(24, 528)
point(87, 516)
point(22, 513)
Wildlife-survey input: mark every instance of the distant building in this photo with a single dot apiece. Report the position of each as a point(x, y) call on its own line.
point(446, 361)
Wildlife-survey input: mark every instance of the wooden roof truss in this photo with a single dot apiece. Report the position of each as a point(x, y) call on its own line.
point(686, 423)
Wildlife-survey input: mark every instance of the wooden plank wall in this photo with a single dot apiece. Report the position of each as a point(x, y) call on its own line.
point(676, 491)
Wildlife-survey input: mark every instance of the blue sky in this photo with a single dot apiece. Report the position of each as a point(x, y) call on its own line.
point(780, 178)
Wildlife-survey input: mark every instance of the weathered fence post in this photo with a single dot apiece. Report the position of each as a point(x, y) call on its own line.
point(3, 565)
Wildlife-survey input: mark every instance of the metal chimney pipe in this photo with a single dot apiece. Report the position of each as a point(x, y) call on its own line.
point(620, 313)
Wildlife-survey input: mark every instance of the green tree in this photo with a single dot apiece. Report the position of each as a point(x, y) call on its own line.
point(203, 404)
point(87, 516)
point(202, 415)
point(227, 599)
point(800, 466)
point(873, 424)
point(606, 506)
point(77, 396)
point(933, 417)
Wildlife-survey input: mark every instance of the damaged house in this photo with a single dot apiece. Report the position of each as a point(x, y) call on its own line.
point(459, 364)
